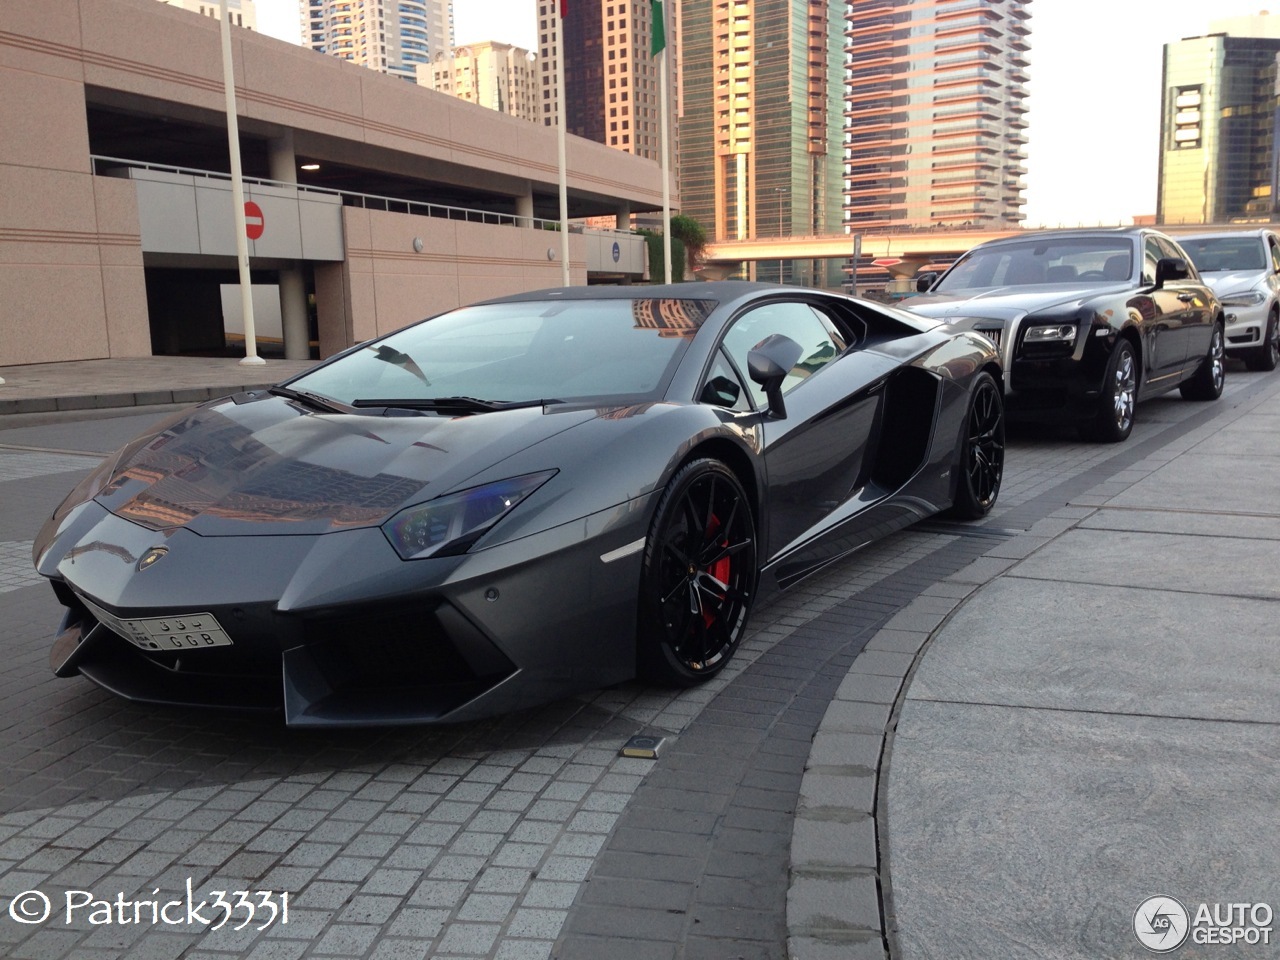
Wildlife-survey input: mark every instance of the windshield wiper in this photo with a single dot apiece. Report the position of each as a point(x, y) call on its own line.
point(468, 404)
point(313, 399)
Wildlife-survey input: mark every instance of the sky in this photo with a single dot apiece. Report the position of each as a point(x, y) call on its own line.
point(1094, 92)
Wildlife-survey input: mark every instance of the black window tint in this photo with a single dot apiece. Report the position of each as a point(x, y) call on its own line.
point(1150, 257)
point(722, 382)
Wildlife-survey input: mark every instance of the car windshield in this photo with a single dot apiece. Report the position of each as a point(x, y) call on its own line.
point(490, 355)
point(1074, 260)
point(1221, 254)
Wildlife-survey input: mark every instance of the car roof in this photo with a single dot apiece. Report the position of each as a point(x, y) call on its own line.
point(1132, 233)
point(1258, 232)
point(717, 291)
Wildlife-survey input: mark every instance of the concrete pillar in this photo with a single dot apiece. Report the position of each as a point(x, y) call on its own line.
point(293, 287)
point(293, 314)
point(622, 215)
point(524, 209)
point(283, 161)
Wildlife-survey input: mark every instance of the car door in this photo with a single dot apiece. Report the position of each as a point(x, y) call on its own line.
point(1195, 324)
point(813, 456)
point(1163, 338)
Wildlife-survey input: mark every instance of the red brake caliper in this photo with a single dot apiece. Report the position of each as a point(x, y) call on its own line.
point(719, 569)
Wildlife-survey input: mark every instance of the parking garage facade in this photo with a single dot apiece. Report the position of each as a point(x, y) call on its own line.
point(370, 202)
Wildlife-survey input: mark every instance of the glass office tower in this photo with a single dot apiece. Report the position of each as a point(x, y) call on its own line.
point(935, 129)
point(760, 118)
point(1218, 122)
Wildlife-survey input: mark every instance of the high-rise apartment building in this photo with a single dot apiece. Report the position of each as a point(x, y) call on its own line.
point(241, 13)
point(391, 37)
point(760, 117)
point(1218, 122)
point(494, 75)
point(611, 80)
point(935, 128)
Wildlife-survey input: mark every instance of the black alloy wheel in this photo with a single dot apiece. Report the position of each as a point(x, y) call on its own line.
point(1114, 420)
point(699, 575)
point(981, 460)
point(1207, 382)
point(1266, 357)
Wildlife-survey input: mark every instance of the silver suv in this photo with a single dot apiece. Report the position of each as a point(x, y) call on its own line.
point(1243, 268)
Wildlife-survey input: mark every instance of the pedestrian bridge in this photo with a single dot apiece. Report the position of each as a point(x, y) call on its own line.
point(923, 245)
point(919, 246)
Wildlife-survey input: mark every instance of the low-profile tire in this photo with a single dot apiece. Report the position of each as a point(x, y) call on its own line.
point(1265, 357)
point(980, 463)
point(1206, 383)
point(699, 576)
point(1117, 405)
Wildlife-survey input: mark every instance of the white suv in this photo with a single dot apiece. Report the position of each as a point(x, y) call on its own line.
point(1243, 268)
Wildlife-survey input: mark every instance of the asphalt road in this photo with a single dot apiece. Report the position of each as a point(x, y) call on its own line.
point(519, 838)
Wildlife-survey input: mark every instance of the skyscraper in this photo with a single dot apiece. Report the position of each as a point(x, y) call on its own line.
point(760, 117)
point(391, 38)
point(934, 133)
point(1218, 123)
point(611, 81)
point(494, 75)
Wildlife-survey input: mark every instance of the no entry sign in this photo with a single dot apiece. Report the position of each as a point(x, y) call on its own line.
point(254, 223)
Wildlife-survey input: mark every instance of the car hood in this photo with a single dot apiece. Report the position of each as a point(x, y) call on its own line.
point(1226, 282)
point(267, 465)
point(1006, 303)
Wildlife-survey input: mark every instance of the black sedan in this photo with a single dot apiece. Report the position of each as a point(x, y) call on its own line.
point(1088, 322)
point(515, 501)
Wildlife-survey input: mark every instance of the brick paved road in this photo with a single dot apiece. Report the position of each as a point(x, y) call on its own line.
point(519, 837)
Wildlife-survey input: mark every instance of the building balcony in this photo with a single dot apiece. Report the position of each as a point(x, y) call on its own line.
point(869, 28)
point(891, 192)
point(959, 9)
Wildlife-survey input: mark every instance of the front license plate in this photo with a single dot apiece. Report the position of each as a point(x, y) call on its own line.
point(190, 631)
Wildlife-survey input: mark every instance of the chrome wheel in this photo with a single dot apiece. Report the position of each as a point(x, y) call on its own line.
point(1217, 361)
point(1207, 382)
point(700, 569)
point(1124, 389)
point(1113, 420)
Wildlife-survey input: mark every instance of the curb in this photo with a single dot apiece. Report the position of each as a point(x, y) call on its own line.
point(104, 401)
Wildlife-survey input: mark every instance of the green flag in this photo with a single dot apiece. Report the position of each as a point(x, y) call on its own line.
point(659, 28)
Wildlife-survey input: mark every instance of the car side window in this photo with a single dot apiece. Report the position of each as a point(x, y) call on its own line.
point(723, 386)
point(1150, 257)
point(1274, 249)
point(1170, 249)
point(820, 339)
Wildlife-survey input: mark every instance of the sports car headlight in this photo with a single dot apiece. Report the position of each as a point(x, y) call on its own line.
point(448, 526)
point(1247, 298)
point(1057, 333)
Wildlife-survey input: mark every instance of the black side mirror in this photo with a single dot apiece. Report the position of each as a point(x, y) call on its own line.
point(768, 363)
point(1170, 268)
point(925, 281)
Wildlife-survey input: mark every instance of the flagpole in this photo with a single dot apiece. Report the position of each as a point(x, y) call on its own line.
point(658, 47)
point(251, 357)
point(560, 145)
